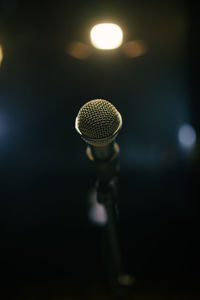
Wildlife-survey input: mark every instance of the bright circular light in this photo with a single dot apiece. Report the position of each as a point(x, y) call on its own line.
point(187, 136)
point(106, 36)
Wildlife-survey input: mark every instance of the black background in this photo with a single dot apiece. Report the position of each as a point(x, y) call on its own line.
point(48, 246)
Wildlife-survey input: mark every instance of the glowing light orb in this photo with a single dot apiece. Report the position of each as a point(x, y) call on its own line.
point(106, 36)
point(187, 136)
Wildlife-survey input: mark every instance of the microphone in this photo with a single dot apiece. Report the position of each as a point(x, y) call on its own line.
point(98, 122)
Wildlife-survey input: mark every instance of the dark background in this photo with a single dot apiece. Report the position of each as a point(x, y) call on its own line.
point(48, 247)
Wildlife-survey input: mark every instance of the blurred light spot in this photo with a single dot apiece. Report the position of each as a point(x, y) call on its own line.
point(79, 50)
point(97, 213)
point(1, 55)
point(126, 280)
point(106, 36)
point(134, 48)
point(187, 136)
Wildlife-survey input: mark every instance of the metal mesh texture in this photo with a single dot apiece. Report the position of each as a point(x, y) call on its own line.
point(98, 120)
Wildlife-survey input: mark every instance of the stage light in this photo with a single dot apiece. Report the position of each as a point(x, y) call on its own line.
point(187, 136)
point(1, 54)
point(106, 36)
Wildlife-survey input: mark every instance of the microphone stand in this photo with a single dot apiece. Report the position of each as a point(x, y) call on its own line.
point(106, 197)
point(106, 190)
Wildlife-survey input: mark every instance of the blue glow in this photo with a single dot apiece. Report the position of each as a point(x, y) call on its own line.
point(187, 136)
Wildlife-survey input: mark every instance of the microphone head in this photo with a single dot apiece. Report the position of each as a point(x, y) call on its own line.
point(98, 122)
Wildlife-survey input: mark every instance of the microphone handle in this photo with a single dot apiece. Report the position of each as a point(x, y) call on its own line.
point(104, 153)
point(105, 160)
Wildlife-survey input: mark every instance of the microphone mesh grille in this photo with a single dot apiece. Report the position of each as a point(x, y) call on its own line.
point(98, 119)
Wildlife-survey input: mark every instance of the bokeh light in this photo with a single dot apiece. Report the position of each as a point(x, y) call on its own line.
point(1, 54)
point(97, 213)
point(134, 49)
point(106, 36)
point(79, 50)
point(187, 136)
